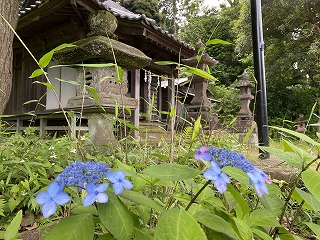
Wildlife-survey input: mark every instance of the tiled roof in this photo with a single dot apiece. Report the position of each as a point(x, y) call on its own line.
point(115, 8)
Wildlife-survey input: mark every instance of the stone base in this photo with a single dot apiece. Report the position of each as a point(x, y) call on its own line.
point(242, 127)
point(207, 118)
point(101, 129)
point(105, 101)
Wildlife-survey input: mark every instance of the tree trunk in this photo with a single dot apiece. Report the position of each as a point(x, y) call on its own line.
point(9, 10)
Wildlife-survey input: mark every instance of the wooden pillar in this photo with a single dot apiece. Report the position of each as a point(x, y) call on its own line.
point(43, 124)
point(18, 125)
point(135, 93)
point(171, 100)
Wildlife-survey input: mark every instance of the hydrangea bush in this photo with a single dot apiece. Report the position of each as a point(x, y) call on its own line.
point(90, 176)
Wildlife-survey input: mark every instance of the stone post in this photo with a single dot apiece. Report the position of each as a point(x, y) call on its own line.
point(200, 104)
point(245, 121)
point(101, 88)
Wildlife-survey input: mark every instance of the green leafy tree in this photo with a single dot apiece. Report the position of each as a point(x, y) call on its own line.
point(150, 8)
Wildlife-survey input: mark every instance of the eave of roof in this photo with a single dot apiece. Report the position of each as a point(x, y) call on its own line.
point(119, 12)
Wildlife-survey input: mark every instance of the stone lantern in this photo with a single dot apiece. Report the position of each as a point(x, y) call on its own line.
point(245, 120)
point(101, 47)
point(200, 104)
point(301, 124)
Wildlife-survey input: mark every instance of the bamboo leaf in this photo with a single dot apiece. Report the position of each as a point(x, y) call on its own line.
point(30, 101)
point(196, 129)
point(13, 228)
point(49, 85)
point(94, 94)
point(217, 41)
point(200, 72)
point(162, 63)
point(311, 179)
point(45, 60)
point(37, 73)
point(63, 46)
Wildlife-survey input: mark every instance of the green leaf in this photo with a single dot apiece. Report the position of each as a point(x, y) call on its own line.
point(290, 158)
point(128, 124)
point(94, 94)
point(171, 172)
point(162, 63)
point(217, 41)
point(49, 85)
point(68, 81)
point(200, 72)
point(303, 137)
point(249, 133)
point(141, 199)
point(196, 129)
point(13, 228)
point(240, 201)
point(237, 174)
point(177, 224)
point(30, 101)
point(63, 46)
point(314, 227)
point(311, 179)
point(245, 231)
point(116, 218)
point(93, 65)
point(309, 199)
point(263, 218)
point(272, 202)
point(143, 234)
point(37, 73)
point(215, 223)
point(78, 227)
point(119, 74)
point(45, 60)
point(290, 147)
point(261, 234)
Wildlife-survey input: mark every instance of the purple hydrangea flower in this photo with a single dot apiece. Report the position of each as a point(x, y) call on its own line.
point(203, 154)
point(95, 193)
point(51, 198)
point(119, 181)
point(220, 158)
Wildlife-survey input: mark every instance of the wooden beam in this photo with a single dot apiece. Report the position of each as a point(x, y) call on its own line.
point(41, 12)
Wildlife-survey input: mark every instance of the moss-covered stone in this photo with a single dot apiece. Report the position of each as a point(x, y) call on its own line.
point(101, 49)
point(102, 23)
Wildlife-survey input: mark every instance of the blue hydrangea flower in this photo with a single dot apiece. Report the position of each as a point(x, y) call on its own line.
point(51, 198)
point(95, 193)
point(78, 173)
point(220, 158)
point(220, 179)
point(119, 181)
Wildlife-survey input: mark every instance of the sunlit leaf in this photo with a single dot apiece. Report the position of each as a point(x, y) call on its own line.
point(45, 60)
point(217, 41)
point(37, 73)
point(49, 85)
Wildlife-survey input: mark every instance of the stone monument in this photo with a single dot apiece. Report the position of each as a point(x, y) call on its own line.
point(200, 104)
point(245, 121)
point(101, 86)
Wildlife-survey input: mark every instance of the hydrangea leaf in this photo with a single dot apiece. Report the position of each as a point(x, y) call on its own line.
point(171, 172)
point(116, 218)
point(177, 224)
point(78, 227)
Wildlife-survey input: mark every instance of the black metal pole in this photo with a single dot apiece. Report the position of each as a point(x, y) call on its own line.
point(261, 113)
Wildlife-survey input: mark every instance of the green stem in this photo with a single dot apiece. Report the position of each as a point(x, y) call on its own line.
point(276, 230)
point(197, 194)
